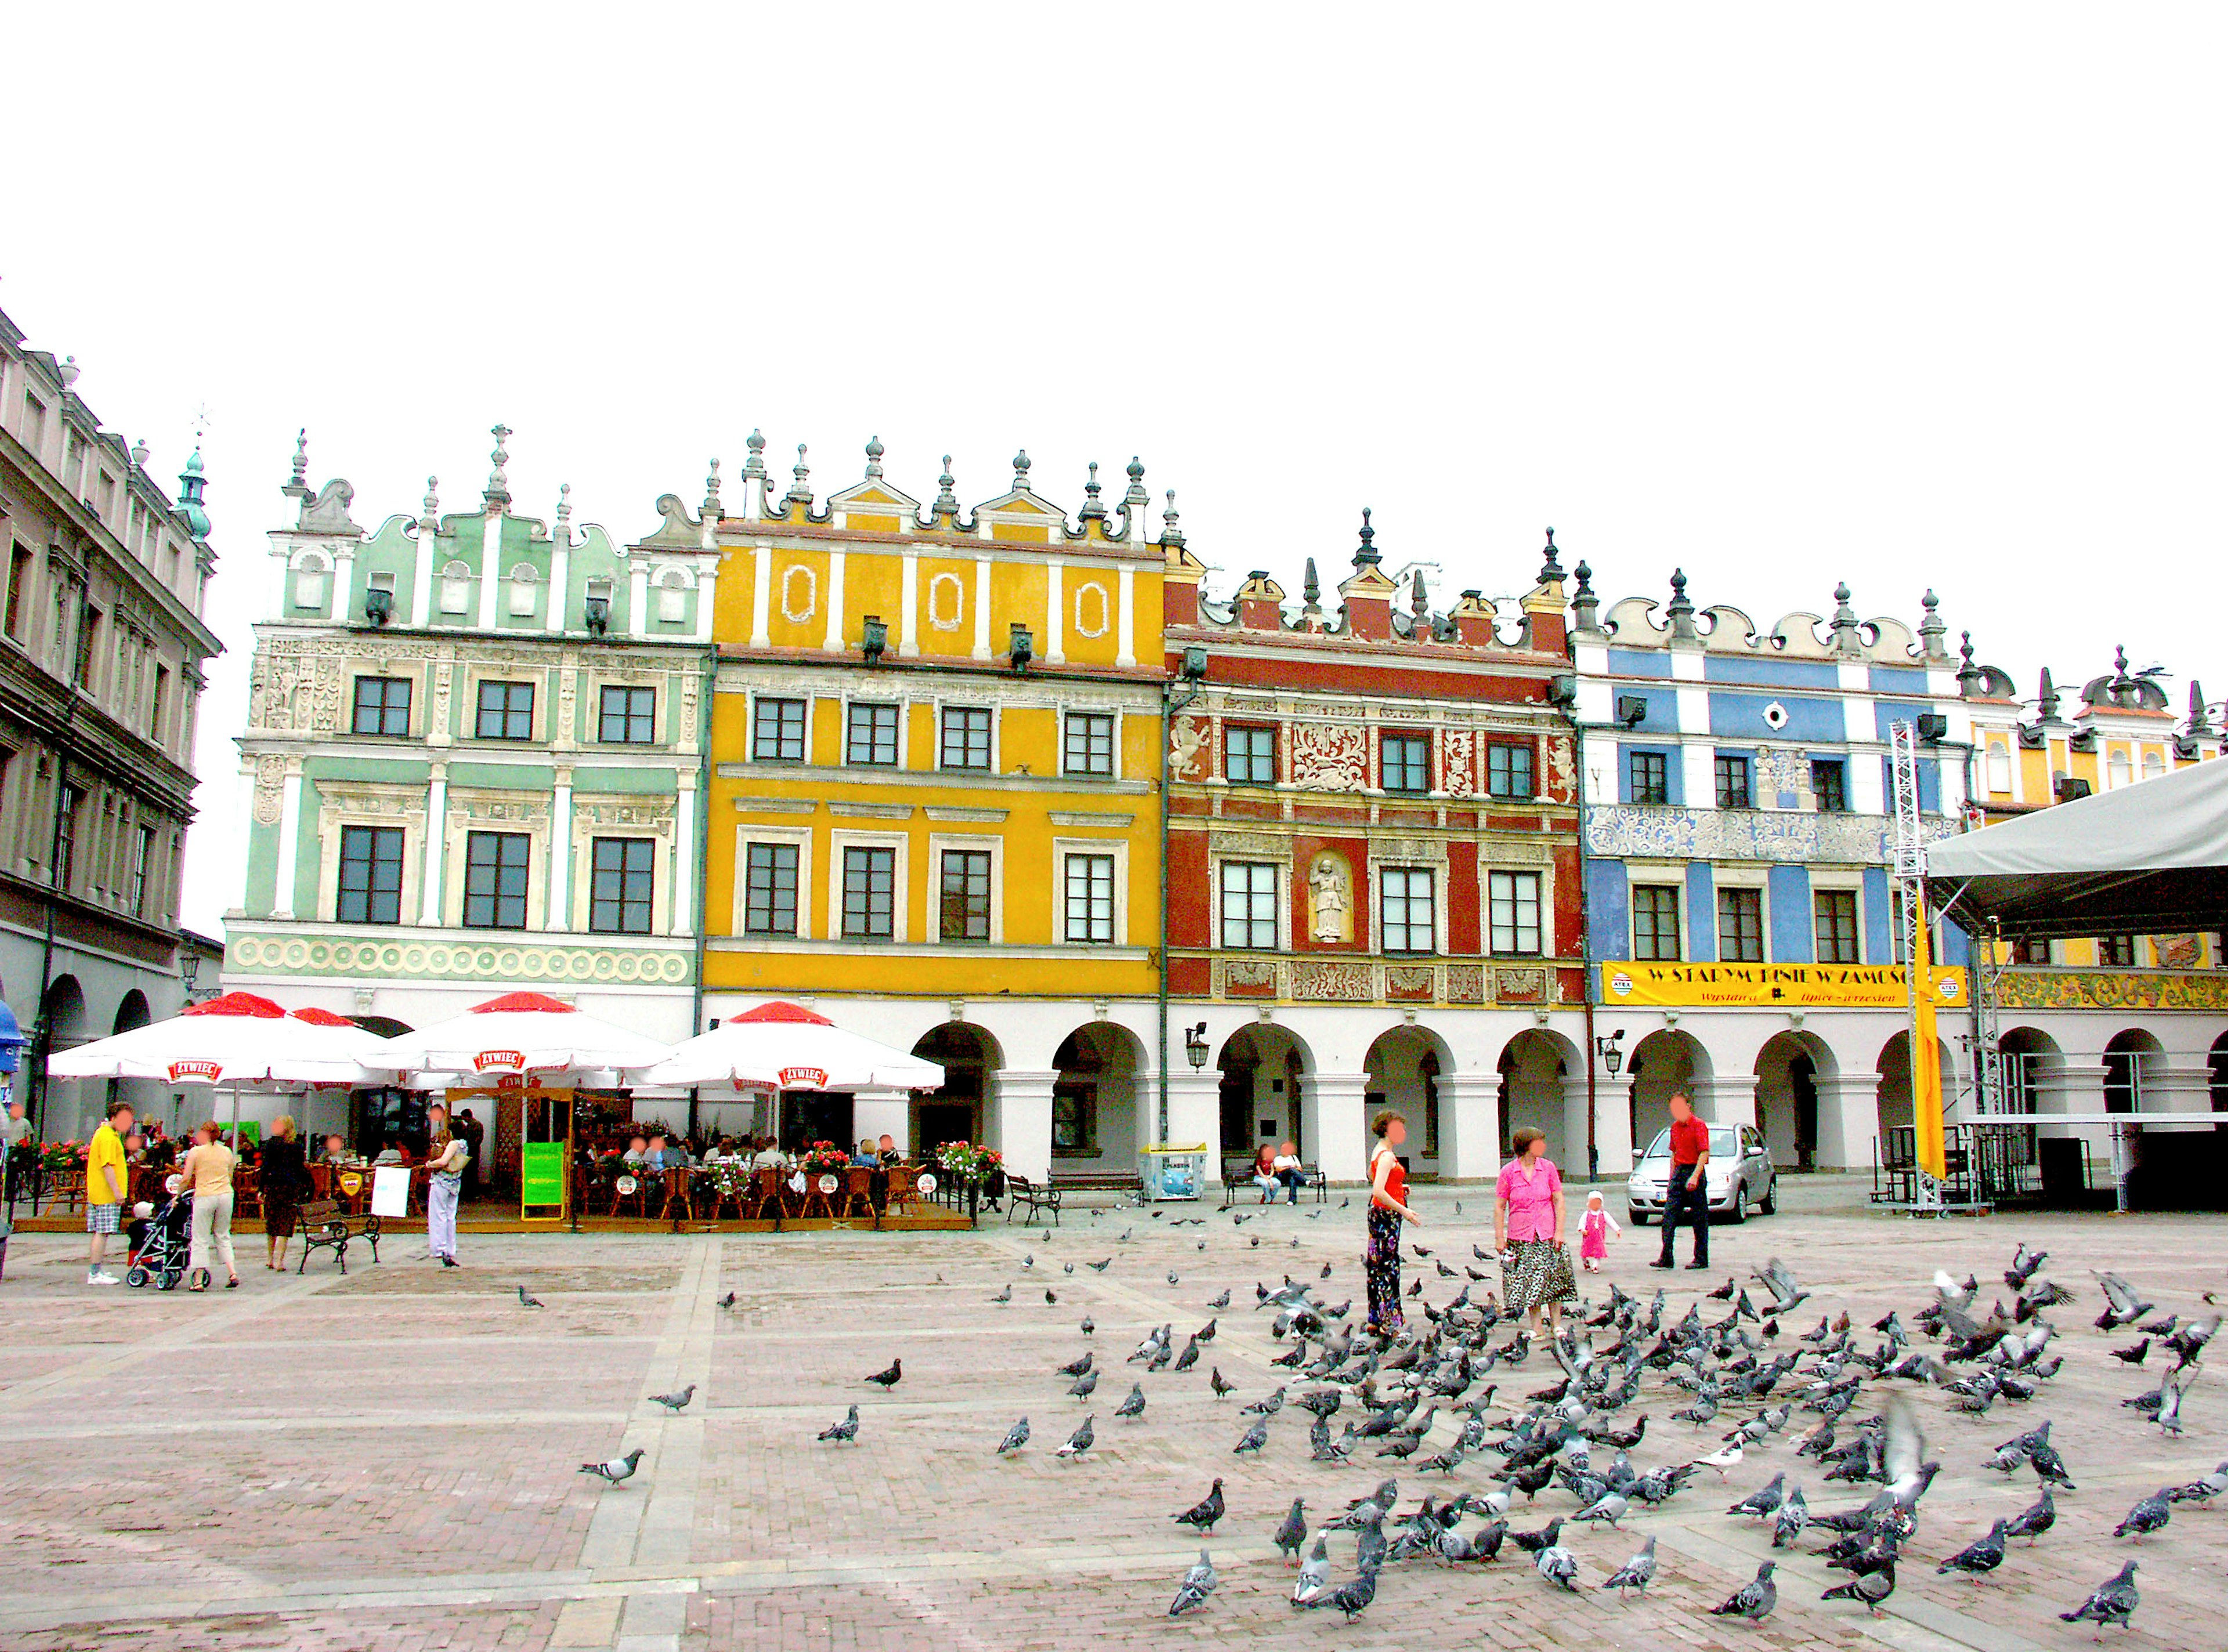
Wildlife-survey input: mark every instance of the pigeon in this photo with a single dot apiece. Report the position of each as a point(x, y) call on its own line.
point(1190, 1357)
point(1788, 1523)
point(2172, 1392)
point(2122, 1305)
point(1051, 1297)
point(1084, 1385)
point(1206, 1333)
point(2203, 1490)
point(1028, 1262)
point(1786, 1296)
point(846, 1430)
point(1078, 1443)
point(1980, 1557)
point(1760, 1503)
point(1608, 1507)
point(525, 1301)
point(623, 1469)
point(889, 1378)
point(2036, 1520)
point(675, 1401)
point(1870, 1588)
point(1637, 1573)
point(1005, 1296)
point(1214, 1382)
point(1352, 1598)
point(1077, 1368)
point(1754, 1599)
point(1172, 1276)
point(1533, 1542)
point(1134, 1406)
point(2114, 1602)
point(1268, 1407)
point(1315, 1574)
point(1292, 1535)
point(1254, 1438)
point(1558, 1566)
point(1101, 1268)
point(1202, 1514)
point(2132, 1356)
point(726, 1302)
point(1016, 1438)
point(1089, 1325)
point(2148, 1515)
point(1198, 1584)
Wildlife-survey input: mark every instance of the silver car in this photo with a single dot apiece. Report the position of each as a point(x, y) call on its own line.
point(1740, 1178)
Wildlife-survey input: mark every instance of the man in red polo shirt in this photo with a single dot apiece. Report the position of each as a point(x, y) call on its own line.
point(1689, 1185)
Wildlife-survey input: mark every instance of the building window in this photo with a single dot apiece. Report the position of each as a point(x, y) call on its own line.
point(966, 737)
point(162, 703)
point(1509, 771)
point(2025, 949)
point(770, 888)
point(1655, 923)
point(142, 859)
point(777, 732)
point(1075, 1120)
point(1835, 910)
point(506, 711)
point(1090, 898)
point(871, 736)
point(1512, 903)
point(66, 837)
point(19, 581)
point(495, 880)
point(382, 705)
point(371, 874)
point(1408, 914)
point(1732, 783)
point(1651, 781)
point(1249, 754)
point(963, 896)
point(1405, 763)
point(1829, 785)
point(1249, 905)
point(628, 716)
point(89, 636)
point(1999, 767)
point(1740, 926)
point(1090, 744)
point(869, 893)
point(2116, 952)
point(619, 900)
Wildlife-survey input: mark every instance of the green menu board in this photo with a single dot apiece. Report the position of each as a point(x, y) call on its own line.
point(540, 1174)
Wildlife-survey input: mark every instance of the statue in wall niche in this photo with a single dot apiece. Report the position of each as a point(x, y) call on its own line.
point(1330, 900)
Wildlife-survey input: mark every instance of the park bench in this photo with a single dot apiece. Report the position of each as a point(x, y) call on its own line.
point(1129, 1183)
point(1022, 1194)
point(325, 1226)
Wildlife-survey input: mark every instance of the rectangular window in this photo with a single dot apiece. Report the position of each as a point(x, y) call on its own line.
point(966, 737)
point(371, 874)
point(1509, 771)
point(619, 895)
point(1732, 783)
point(777, 732)
point(1408, 914)
point(1249, 905)
point(162, 704)
point(2027, 950)
point(628, 716)
point(19, 581)
point(1090, 900)
point(872, 736)
point(963, 896)
point(1829, 785)
point(495, 880)
point(142, 859)
point(1249, 755)
point(88, 636)
point(1835, 910)
point(2116, 952)
point(1405, 762)
point(1513, 912)
point(506, 711)
point(66, 831)
point(869, 894)
point(34, 426)
point(382, 705)
point(770, 888)
point(1740, 926)
point(1074, 1119)
point(1651, 780)
point(1655, 923)
point(1090, 744)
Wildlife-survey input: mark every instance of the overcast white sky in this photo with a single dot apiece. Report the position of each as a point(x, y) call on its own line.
point(1902, 294)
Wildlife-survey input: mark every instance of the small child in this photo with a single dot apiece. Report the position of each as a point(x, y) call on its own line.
point(1595, 1231)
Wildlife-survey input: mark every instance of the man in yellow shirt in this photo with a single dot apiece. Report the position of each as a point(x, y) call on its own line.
point(106, 1182)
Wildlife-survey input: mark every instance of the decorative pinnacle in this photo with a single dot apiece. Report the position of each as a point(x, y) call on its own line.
point(1311, 588)
point(1678, 584)
point(1418, 604)
point(873, 457)
point(1135, 499)
point(799, 489)
point(141, 452)
point(68, 371)
point(1585, 578)
point(2120, 660)
point(1368, 555)
point(301, 478)
point(429, 509)
point(565, 503)
point(1092, 509)
point(1021, 471)
point(754, 465)
point(712, 509)
point(1965, 646)
point(947, 502)
point(498, 487)
point(1171, 523)
point(1551, 566)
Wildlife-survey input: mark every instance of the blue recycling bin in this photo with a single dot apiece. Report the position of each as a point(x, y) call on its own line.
point(1172, 1172)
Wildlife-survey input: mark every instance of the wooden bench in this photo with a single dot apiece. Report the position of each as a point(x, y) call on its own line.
point(1127, 1182)
point(1023, 1193)
point(325, 1226)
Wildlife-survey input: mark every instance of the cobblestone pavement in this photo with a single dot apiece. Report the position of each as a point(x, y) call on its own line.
point(388, 1460)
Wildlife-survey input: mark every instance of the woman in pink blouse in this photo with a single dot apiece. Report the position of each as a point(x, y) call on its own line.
point(1527, 1231)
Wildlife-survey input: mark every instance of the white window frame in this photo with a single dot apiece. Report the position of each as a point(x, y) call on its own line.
point(1749, 879)
point(1116, 715)
point(900, 889)
point(1636, 878)
point(751, 733)
point(905, 728)
point(1436, 873)
point(800, 837)
point(1543, 919)
point(998, 759)
point(1279, 918)
point(539, 730)
point(1119, 849)
point(937, 843)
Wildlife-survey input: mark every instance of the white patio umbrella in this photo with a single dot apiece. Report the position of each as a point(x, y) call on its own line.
point(787, 1046)
point(519, 1034)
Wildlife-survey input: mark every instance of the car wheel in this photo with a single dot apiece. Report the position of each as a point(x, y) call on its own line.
point(1638, 1218)
point(1740, 1201)
point(1769, 1204)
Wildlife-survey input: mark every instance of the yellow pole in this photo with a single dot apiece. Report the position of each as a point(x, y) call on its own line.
point(1926, 1062)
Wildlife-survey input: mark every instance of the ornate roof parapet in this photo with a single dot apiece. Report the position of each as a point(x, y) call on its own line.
point(754, 476)
point(1981, 682)
point(1680, 611)
point(2120, 690)
point(1932, 630)
point(497, 493)
point(1475, 622)
point(1847, 638)
point(1368, 593)
point(298, 484)
point(1171, 523)
point(945, 513)
point(1135, 503)
point(1260, 603)
point(1094, 508)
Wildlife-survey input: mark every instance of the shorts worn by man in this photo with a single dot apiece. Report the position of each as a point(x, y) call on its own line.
point(1688, 1188)
point(106, 1182)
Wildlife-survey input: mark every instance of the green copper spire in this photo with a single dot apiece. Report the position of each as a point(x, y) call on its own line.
point(190, 483)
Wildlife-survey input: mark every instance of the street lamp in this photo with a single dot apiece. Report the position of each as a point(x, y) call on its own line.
point(189, 970)
point(1612, 1051)
point(1196, 1045)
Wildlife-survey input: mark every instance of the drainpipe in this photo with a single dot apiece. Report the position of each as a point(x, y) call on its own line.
point(709, 675)
point(1171, 702)
point(1586, 941)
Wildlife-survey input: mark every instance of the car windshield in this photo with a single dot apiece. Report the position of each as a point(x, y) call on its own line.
point(1721, 1143)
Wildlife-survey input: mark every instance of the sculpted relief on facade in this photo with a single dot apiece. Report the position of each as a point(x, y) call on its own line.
point(1329, 757)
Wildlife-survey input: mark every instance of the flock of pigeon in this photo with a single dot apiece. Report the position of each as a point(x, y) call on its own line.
point(1852, 1399)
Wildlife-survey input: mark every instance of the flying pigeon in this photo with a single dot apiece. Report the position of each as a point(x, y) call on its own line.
point(845, 1430)
point(1016, 1438)
point(1198, 1584)
point(623, 1469)
point(525, 1301)
point(1754, 1599)
point(675, 1401)
point(1078, 1443)
point(2114, 1602)
point(889, 1378)
point(1637, 1573)
point(1202, 1514)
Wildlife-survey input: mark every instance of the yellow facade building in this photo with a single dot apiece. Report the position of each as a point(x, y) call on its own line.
point(934, 812)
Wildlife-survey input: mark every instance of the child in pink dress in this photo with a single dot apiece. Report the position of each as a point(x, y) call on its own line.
point(1594, 1232)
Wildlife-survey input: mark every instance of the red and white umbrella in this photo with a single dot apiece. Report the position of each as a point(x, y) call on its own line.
point(787, 1046)
point(234, 1040)
point(518, 1035)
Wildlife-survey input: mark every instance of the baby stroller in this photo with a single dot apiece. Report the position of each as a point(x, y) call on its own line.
point(162, 1244)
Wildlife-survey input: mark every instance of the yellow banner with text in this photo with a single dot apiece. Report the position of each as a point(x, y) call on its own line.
point(1774, 986)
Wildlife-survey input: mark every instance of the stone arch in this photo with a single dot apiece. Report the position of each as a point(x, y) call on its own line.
point(1099, 1098)
point(2219, 1072)
point(955, 1110)
point(1665, 1060)
point(1262, 1066)
point(1404, 1066)
point(1543, 1085)
point(2134, 1061)
point(1788, 1069)
point(64, 1010)
point(132, 1011)
point(1895, 1093)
